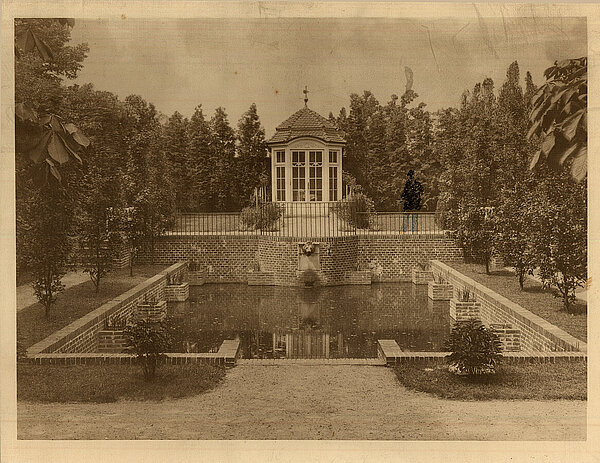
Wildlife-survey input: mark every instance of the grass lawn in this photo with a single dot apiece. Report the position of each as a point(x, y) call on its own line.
point(109, 383)
point(536, 381)
point(533, 298)
point(75, 302)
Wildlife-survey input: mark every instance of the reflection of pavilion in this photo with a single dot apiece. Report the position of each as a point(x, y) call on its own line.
point(309, 343)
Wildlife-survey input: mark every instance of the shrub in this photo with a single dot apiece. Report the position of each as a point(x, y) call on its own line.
point(265, 216)
point(358, 210)
point(148, 340)
point(474, 349)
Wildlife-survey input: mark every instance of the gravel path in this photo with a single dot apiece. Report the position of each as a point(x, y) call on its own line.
point(307, 402)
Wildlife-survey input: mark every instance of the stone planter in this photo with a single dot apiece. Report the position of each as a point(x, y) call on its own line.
point(509, 337)
point(463, 311)
point(439, 291)
point(111, 341)
point(177, 293)
point(196, 277)
point(151, 311)
point(421, 277)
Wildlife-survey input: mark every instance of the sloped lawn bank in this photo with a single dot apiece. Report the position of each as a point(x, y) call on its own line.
point(75, 302)
point(533, 298)
point(535, 381)
point(109, 383)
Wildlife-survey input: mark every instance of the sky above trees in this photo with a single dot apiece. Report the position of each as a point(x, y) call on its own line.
point(178, 64)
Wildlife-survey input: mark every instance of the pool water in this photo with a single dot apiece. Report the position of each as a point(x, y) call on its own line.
point(321, 322)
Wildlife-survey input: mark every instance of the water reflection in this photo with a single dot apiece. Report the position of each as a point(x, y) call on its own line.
point(331, 322)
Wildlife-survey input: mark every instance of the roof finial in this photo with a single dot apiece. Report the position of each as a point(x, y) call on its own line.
point(305, 91)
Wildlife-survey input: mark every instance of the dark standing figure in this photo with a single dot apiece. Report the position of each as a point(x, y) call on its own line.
point(412, 194)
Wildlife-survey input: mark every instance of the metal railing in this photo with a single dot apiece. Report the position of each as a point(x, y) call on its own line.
point(307, 220)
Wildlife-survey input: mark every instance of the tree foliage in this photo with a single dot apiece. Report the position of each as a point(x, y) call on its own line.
point(559, 233)
point(558, 117)
point(251, 165)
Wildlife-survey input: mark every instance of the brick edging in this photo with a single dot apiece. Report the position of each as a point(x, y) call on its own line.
point(227, 356)
point(507, 357)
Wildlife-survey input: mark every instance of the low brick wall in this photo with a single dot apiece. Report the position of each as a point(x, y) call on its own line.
point(536, 333)
point(509, 337)
point(82, 334)
point(439, 358)
point(274, 260)
point(226, 356)
point(111, 341)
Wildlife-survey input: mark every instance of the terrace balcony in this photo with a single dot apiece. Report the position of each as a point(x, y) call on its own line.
point(307, 220)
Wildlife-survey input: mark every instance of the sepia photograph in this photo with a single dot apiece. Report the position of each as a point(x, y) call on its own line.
point(243, 222)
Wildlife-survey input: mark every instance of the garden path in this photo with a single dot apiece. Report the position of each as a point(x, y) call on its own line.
point(307, 402)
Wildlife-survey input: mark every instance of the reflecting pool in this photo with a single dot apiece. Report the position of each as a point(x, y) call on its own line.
point(318, 322)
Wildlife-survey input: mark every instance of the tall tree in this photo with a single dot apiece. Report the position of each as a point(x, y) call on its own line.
point(200, 156)
point(148, 177)
point(48, 233)
point(222, 156)
point(44, 141)
point(252, 165)
point(176, 146)
point(104, 119)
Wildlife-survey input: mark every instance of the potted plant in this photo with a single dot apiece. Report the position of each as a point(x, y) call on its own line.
point(439, 289)
point(464, 306)
point(421, 275)
point(177, 290)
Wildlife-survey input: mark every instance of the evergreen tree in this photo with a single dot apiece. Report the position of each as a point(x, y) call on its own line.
point(200, 161)
point(252, 164)
point(222, 155)
point(148, 177)
point(176, 146)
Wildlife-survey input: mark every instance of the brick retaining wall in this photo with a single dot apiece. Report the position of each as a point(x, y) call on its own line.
point(536, 333)
point(82, 335)
point(274, 260)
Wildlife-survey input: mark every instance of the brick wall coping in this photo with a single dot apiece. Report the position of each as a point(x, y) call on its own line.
point(67, 333)
point(514, 308)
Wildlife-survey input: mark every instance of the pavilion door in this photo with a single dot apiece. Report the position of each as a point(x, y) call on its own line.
point(315, 176)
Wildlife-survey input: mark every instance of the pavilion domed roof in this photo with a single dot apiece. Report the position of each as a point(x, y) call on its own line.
point(307, 123)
